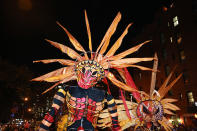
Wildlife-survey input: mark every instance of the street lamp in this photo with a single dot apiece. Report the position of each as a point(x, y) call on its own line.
point(29, 110)
point(26, 99)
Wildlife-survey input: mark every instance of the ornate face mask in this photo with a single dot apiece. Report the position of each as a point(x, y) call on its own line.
point(89, 72)
point(150, 111)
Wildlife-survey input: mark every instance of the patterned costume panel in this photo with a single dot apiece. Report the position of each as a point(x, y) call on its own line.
point(84, 103)
point(84, 106)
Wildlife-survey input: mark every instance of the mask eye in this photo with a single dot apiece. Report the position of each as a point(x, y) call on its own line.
point(94, 73)
point(145, 110)
point(157, 111)
point(83, 70)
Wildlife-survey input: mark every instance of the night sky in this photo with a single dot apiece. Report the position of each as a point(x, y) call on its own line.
point(26, 23)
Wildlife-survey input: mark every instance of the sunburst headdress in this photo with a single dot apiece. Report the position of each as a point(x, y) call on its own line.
point(149, 109)
point(100, 60)
point(159, 105)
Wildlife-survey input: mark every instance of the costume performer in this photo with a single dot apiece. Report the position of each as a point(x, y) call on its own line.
point(84, 101)
point(149, 110)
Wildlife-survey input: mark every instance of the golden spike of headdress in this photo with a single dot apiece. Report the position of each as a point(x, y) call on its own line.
point(168, 100)
point(62, 71)
point(108, 34)
point(153, 79)
point(168, 112)
point(126, 65)
point(69, 71)
point(75, 43)
point(164, 91)
point(129, 51)
point(130, 61)
point(112, 78)
point(171, 106)
point(163, 86)
point(50, 74)
point(164, 122)
point(65, 49)
point(118, 42)
point(61, 61)
point(88, 31)
point(68, 78)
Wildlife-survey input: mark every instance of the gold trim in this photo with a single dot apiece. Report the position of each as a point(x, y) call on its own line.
point(62, 91)
point(59, 98)
point(111, 102)
point(46, 123)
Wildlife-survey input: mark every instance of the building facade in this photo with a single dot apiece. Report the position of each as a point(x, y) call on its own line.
point(174, 38)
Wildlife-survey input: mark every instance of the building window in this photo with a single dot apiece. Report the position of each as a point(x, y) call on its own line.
point(190, 97)
point(182, 55)
point(175, 21)
point(179, 39)
point(171, 39)
point(181, 96)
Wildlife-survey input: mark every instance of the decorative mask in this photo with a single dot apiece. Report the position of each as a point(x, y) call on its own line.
point(89, 72)
point(150, 111)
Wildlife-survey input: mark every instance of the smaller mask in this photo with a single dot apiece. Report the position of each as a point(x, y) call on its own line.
point(150, 111)
point(89, 72)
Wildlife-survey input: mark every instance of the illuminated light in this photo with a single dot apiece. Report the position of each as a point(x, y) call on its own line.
point(172, 5)
point(195, 115)
point(170, 120)
point(168, 24)
point(171, 39)
point(29, 109)
point(26, 99)
point(195, 103)
point(180, 120)
point(165, 8)
point(175, 21)
point(179, 40)
point(183, 57)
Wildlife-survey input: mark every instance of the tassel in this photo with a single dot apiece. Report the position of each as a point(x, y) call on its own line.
point(106, 82)
point(130, 82)
point(125, 105)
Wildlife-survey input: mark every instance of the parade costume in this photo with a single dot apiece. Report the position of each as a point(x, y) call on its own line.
point(85, 102)
point(149, 110)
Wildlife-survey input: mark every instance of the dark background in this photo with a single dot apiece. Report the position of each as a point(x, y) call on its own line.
point(26, 23)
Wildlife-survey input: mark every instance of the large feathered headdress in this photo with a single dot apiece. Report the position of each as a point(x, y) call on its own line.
point(155, 103)
point(101, 59)
point(149, 109)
